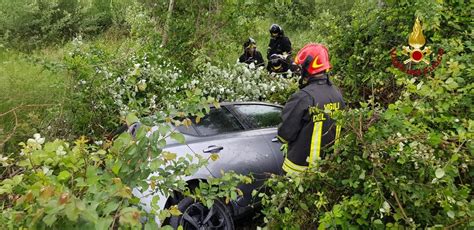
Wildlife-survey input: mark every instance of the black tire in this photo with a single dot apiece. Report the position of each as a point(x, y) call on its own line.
point(198, 216)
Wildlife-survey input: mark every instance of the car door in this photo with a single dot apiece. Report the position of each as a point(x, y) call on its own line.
point(239, 149)
point(265, 118)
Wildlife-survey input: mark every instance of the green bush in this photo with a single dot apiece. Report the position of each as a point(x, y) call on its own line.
point(59, 184)
point(405, 160)
point(27, 24)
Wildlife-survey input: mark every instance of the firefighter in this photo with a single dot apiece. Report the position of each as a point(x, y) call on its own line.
point(279, 43)
point(278, 64)
point(307, 127)
point(251, 54)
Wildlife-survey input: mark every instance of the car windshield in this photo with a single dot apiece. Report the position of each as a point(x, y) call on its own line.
point(218, 121)
point(260, 116)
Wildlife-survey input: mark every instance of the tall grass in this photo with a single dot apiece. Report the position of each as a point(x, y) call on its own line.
point(30, 95)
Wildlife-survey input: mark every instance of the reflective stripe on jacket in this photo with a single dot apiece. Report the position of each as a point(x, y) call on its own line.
point(306, 127)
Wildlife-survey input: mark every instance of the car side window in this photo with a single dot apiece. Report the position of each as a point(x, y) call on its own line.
point(261, 116)
point(216, 122)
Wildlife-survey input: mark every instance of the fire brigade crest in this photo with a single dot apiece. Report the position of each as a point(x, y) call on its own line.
point(417, 56)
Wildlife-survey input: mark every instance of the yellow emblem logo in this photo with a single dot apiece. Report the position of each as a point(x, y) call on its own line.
point(315, 64)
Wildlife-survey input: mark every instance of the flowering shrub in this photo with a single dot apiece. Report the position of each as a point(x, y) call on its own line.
point(239, 83)
point(144, 82)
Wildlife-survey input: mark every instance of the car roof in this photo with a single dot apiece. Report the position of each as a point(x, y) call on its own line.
point(248, 103)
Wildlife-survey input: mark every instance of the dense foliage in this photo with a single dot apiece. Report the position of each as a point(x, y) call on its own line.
point(405, 164)
point(406, 155)
point(27, 24)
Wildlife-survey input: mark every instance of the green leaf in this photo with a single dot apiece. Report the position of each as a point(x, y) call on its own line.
point(110, 207)
point(163, 129)
point(141, 132)
point(434, 139)
point(131, 118)
point(49, 219)
point(129, 215)
point(451, 214)
point(454, 157)
point(178, 137)
point(71, 211)
point(161, 143)
point(82, 207)
point(151, 225)
point(209, 203)
point(167, 227)
point(64, 175)
point(304, 206)
point(378, 222)
point(300, 189)
point(451, 84)
point(90, 215)
point(362, 175)
point(17, 179)
point(155, 164)
point(104, 223)
point(175, 211)
point(439, 173)
point(116, 167)
point(169, 156)
point(132, 150)
point(91, 174)
point(233, 195)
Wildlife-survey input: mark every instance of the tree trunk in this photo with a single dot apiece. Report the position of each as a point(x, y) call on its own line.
point(167, 23)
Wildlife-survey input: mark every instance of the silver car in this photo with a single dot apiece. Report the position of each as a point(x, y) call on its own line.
point(244, 136)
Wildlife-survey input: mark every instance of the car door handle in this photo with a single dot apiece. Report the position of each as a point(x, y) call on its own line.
point(213, 149)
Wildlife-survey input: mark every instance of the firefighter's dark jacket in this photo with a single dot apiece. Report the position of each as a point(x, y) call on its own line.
point(256, 58)
point(306, 128)
point(278, 45)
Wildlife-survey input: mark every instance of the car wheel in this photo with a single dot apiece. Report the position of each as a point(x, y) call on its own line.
point(197, 216)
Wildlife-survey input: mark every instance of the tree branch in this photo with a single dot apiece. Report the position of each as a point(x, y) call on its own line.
point(167, 23)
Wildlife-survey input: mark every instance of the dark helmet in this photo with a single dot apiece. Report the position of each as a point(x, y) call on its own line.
point(276, 29)
point(275, 60)
point(249, 42)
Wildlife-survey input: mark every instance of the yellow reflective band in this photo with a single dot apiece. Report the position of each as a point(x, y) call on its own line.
point(289, 166)
point(290, 170)
point(315, 149)
point(336, 139)
point(338, 133)
point(282, 139)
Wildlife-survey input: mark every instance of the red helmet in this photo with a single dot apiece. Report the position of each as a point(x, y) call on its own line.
point(313, 58)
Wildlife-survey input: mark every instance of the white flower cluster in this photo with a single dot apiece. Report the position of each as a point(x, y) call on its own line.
point(36, 141)
point(136, 85)
point(237, 83)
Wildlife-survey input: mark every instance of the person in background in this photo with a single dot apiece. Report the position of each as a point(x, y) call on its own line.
point(307, 126)
point(279, 43)
point(251, 54)
point(278, 64)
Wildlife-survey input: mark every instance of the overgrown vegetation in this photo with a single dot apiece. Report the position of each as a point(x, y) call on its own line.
point(405, 160)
